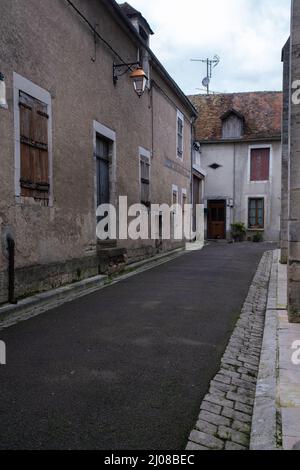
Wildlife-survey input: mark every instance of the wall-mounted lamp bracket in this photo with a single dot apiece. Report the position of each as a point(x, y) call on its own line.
point(118, 70)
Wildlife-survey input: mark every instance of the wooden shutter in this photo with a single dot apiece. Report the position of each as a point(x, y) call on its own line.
point(260, 164)
point(34, 148)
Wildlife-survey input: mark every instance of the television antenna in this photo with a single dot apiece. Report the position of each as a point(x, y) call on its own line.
point(210, 65)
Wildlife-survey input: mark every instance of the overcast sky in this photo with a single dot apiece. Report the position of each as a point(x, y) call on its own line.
point(248, 35)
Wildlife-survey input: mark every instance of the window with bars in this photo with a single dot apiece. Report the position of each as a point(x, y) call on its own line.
point(260, 164)
point(145, 180)
point(34, 172)
point(180, 130)
point(256, 213)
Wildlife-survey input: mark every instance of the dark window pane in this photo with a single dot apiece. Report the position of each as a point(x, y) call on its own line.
point(256, 213)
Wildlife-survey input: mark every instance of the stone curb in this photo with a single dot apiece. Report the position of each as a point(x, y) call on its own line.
point(45, 301)
point(40, 303)
point(264, 422)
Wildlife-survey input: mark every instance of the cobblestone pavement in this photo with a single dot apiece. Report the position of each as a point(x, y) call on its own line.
point(226, 412)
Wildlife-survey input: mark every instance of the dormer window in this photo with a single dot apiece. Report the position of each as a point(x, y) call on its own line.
point(138, 22)
point(232, 125)
point(143, 34)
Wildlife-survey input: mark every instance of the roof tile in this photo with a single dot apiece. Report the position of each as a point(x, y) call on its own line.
point(262, 112)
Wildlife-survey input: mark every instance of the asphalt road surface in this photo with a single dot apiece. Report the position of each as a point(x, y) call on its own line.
point(126, 367)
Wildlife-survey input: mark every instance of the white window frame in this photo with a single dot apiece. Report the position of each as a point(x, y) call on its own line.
point(146, 154)
point(103, 131)
point(255, 147)
point(256, 196)
point(180, 116)
point(23, 84)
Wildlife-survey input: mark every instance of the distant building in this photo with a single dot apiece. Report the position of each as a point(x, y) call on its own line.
point(73, 138)
point(239, 137)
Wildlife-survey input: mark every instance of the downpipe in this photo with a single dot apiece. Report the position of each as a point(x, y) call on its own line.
point(11, 269)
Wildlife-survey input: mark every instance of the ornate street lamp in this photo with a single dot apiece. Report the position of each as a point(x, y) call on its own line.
point(3, 102)
point(139, 81)
point(138, 76)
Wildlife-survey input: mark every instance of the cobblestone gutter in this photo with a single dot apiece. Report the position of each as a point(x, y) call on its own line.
point(226, 412)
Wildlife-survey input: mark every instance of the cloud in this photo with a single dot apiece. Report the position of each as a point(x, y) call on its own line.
point(248, 35)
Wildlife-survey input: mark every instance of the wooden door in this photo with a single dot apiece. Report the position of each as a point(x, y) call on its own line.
point(197, 198)
point(216, 220)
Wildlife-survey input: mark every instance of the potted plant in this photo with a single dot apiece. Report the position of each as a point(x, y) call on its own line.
point(258, 237)
point(238, 231)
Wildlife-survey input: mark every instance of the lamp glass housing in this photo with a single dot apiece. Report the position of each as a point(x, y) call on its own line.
point(139, 81)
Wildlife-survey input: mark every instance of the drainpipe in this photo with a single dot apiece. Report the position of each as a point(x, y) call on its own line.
point(193, 120)
point(11, 269)
point(234, 182)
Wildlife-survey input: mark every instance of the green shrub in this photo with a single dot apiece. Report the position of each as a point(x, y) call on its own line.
point(258, 238)
point(238, 231)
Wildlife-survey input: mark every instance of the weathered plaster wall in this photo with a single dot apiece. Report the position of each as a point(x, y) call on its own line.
point(54, 51)
point(232, 181)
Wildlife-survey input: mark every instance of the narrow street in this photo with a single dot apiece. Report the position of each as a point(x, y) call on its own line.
point(126, 367)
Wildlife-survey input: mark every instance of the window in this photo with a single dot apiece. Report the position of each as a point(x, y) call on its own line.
point(260, 164)
point(103, 167)
point(180, 130)
point(175, 200)
point(174, 195)
point(145, 166)
point(34, 158)
point(215, 166)
point(143, 34)
point(233, 126)
point(33, 142)
point(104, 155)
point(256, 213)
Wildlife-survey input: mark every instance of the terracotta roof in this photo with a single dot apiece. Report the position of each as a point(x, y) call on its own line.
point(262, 113)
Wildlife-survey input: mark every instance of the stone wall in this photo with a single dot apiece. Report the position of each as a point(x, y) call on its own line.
point(285, 153)
point(294, 175)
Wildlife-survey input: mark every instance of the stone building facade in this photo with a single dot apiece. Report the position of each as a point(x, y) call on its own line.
point(285, 153)
point(240, 143)
point(290, 239)
point(68, 124)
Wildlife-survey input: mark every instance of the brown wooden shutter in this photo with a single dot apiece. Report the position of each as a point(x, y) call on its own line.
point(260, 164)
point(34, 148)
